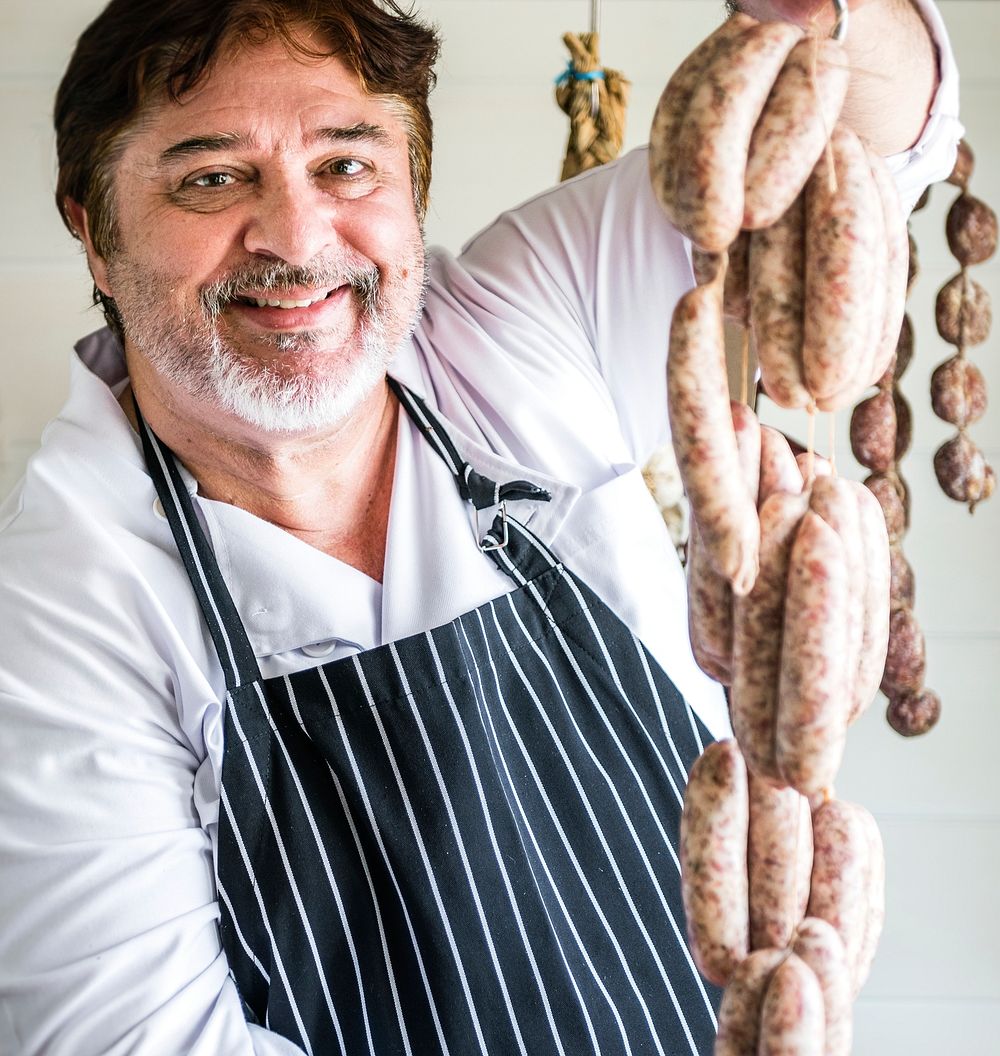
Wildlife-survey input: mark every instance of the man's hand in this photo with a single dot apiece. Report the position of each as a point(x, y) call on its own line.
point(894, 71)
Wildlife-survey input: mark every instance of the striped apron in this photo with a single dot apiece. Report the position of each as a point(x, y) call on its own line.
point(463, 842)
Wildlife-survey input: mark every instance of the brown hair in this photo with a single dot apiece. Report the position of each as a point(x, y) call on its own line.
point(137, 51)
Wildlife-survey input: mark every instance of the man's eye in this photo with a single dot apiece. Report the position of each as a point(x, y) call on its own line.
point(213, 179)
point(348, 167)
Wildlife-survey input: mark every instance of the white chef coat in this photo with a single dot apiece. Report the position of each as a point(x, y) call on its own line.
point(542, 346)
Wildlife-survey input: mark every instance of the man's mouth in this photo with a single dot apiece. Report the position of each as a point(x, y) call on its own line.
point(267, 299)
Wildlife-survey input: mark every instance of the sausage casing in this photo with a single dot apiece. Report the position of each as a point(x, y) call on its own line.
point(792, 1021)
point(739, 1012)
point(819, 946)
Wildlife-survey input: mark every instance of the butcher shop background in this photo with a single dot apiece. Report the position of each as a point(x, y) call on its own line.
point(935, 987)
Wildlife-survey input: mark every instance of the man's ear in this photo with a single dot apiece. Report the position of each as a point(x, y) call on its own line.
point(98, 265)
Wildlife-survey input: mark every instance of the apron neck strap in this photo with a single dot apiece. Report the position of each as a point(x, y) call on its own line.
point(224, 624)
point(474, 488)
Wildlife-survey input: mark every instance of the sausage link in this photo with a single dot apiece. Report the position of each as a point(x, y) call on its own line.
point(704, 439)
point(739, 1012)
point(898, 247)
point(818, 945)
point(821, 467)
point(758, 621)
point(779, 862)
point(777, 305)
point(673, 106)
point(875, 917)
point(811, 724)
point(778, 468)
point(838, 891)
point(710, 612)
point(794, 126)
point(841, 243)
point(715, 134)
point(878, 576)
point(792, 1018)
point(834, 499)
point(714, 827)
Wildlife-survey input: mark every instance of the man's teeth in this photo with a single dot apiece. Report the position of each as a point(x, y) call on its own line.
point(269, 302)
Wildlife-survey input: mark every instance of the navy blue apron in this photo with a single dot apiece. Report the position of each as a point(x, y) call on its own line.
point(463, 842)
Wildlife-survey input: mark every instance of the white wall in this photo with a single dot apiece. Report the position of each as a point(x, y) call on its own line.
point(936, 983)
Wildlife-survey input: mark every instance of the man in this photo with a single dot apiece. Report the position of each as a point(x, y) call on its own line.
point(312, 743)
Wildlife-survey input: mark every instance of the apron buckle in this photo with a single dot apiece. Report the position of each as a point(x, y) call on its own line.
point(488, 543)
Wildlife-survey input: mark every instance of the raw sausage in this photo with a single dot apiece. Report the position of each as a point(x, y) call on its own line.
point(877, 586)
point(778, 468)
point(713, 861)
point(739, 1013)
point(819, 946)
point(792, 1018)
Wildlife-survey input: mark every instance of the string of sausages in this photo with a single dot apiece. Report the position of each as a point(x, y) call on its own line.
point(797, 231)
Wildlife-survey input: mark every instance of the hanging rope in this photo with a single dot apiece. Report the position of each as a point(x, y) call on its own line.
point(595, 100)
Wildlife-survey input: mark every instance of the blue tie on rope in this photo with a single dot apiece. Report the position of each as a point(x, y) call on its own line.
point(572, 74)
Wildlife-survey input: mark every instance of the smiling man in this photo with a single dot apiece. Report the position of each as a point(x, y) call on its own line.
point(346, 700)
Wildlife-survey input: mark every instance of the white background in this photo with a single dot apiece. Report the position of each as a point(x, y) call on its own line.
point(935, 987)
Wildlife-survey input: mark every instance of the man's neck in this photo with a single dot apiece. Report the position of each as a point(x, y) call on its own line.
point(331, 490)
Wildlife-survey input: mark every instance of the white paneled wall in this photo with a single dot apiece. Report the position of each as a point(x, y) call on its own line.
point(936, 985)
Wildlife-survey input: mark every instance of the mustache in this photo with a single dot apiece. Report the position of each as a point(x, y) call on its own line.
point(281, 277)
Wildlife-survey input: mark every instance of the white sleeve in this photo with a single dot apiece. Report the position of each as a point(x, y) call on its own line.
point(932, 157)
point(109, 940)
point(594, 267)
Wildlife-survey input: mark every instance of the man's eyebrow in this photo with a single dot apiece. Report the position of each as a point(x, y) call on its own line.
point(352, 133)
point(202, 145)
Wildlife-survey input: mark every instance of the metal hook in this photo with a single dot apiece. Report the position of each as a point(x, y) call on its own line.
point(840, 28)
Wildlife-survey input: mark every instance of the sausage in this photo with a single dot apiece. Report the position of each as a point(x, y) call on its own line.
point(897, 267)
point(715, 134)
point(746, 426)
point(838, 891)
point(792, 1017)
point(819, 946)
point(779, 862)
point(714, 827)
point(778, 468)
point(842, 229)
point(735, 294)
point(877, 586)
point(777, 306)
point(834, 499)
point(758, 620)
point(739, 1012)
point(673, 106)
point(820, 467)
point(704, 439)
point(793, 128)
point(811, 724)
point(710, 612)
point(875, 917)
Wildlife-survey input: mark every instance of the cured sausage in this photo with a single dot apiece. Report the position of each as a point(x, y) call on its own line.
point(779, 862)
point(704, 439)
point(710, 612)
point(811, 724)
point(842, 229)
point(792, 1021)
point(834, 499)
point(839, 888)
point(819, 946)
point(714, 827)
point(715, 134)
point(793, 128)
point(777, 306)
point(778, 468)
point(673, 106)
point(739, 1012)
point(877, 588)
point(758, 623)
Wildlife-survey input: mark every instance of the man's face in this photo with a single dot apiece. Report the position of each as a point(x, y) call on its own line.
point(269, 259)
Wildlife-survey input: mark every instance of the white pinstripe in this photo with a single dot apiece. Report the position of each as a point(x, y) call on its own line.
point(534, 842)
point(324, 858)
point(293, 885)
point(224, 895)
point(422, 849)
point(385, 856)
point(362, 857)
point(267, 924)
point(459, 842)
point(487, 818)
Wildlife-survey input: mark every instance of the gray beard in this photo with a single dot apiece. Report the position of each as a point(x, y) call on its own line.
point(191, 354)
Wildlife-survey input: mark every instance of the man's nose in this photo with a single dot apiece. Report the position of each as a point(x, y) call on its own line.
point(293, 221)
